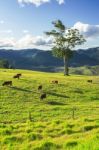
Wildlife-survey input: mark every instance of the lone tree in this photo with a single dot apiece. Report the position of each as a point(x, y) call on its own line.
point(64, 40)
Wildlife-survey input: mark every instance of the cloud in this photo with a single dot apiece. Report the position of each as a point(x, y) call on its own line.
point(61, 2)
point(27, 41)
point(37, 2)
point(7, 42)
point(89, 31)
point(34, 2)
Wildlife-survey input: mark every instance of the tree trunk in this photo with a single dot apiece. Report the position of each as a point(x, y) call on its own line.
point(66, 70)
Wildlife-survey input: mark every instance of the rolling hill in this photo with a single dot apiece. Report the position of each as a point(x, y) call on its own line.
point(35, 59)
point(67, 119)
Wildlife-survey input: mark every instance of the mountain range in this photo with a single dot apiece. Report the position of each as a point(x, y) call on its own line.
point(36, 59)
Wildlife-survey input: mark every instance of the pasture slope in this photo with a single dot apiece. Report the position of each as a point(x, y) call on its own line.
point(28, 123)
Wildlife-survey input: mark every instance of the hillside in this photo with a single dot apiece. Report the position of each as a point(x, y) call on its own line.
point(83, 70)
point(35, 59)
point(67, 119)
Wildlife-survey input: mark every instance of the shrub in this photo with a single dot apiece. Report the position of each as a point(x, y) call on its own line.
point(2, 125)
point(70, 144)
point(70, 125)
point(57, 121)
point(67, 131)
point(33, 136)
point(28, 130)
point(47, 146)
point(10, 139)
point(6, 132)
point(89, 127)
point(88, 120)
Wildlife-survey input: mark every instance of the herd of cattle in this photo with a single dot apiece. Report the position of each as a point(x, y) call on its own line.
point(43, 95)
point(10, 82)
point(17, 76)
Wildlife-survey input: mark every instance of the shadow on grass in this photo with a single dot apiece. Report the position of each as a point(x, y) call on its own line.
point(20, 89)
point(55, 103)
point(58, 95)
point(78, 91)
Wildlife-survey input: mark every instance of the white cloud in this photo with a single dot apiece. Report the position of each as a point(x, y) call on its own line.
point(89, 31)
point(28, 41)
point(38, 2)
point(61, 1)
point(7, 42)
point(34, 2)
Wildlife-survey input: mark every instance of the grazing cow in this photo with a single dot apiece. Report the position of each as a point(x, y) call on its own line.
point(17, 76)
point(7, 83)
point(55, 81)
point(90, 81)
point(40, 87)
point(43, 96)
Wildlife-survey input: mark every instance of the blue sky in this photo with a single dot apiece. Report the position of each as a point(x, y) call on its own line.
point(23, 22)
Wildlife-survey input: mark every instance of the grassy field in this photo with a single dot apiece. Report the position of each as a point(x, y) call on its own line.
point(28, 123)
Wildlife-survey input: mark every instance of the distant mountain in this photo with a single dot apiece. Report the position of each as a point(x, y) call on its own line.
point(39, 60)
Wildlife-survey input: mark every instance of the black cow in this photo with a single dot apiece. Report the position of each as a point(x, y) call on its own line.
point(40, 87)
point(7, 83)
point(43, 96)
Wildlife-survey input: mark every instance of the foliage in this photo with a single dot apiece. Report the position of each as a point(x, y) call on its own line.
point(64, 40)
point(4, 63)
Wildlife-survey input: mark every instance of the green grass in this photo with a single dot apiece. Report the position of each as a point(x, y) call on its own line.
point(52, 126)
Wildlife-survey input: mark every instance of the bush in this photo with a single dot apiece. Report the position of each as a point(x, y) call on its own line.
point(6, 132)
point(47, 146)
point(89, 127)
point(70, 125)
point(33, 136)
point(67, 131)
point(71, 144)
point(88, 120)
point(10, 139)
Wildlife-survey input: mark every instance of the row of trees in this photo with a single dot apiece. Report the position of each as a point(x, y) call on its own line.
point(64, 41)
point(5, 64)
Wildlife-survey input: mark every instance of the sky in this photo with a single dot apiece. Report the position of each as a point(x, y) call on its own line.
point(23, 22)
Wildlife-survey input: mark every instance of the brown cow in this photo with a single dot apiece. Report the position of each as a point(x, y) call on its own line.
point(17, 76)
point(55, 81)
point(7, 83)
point(43, 96)
point(90, 81)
